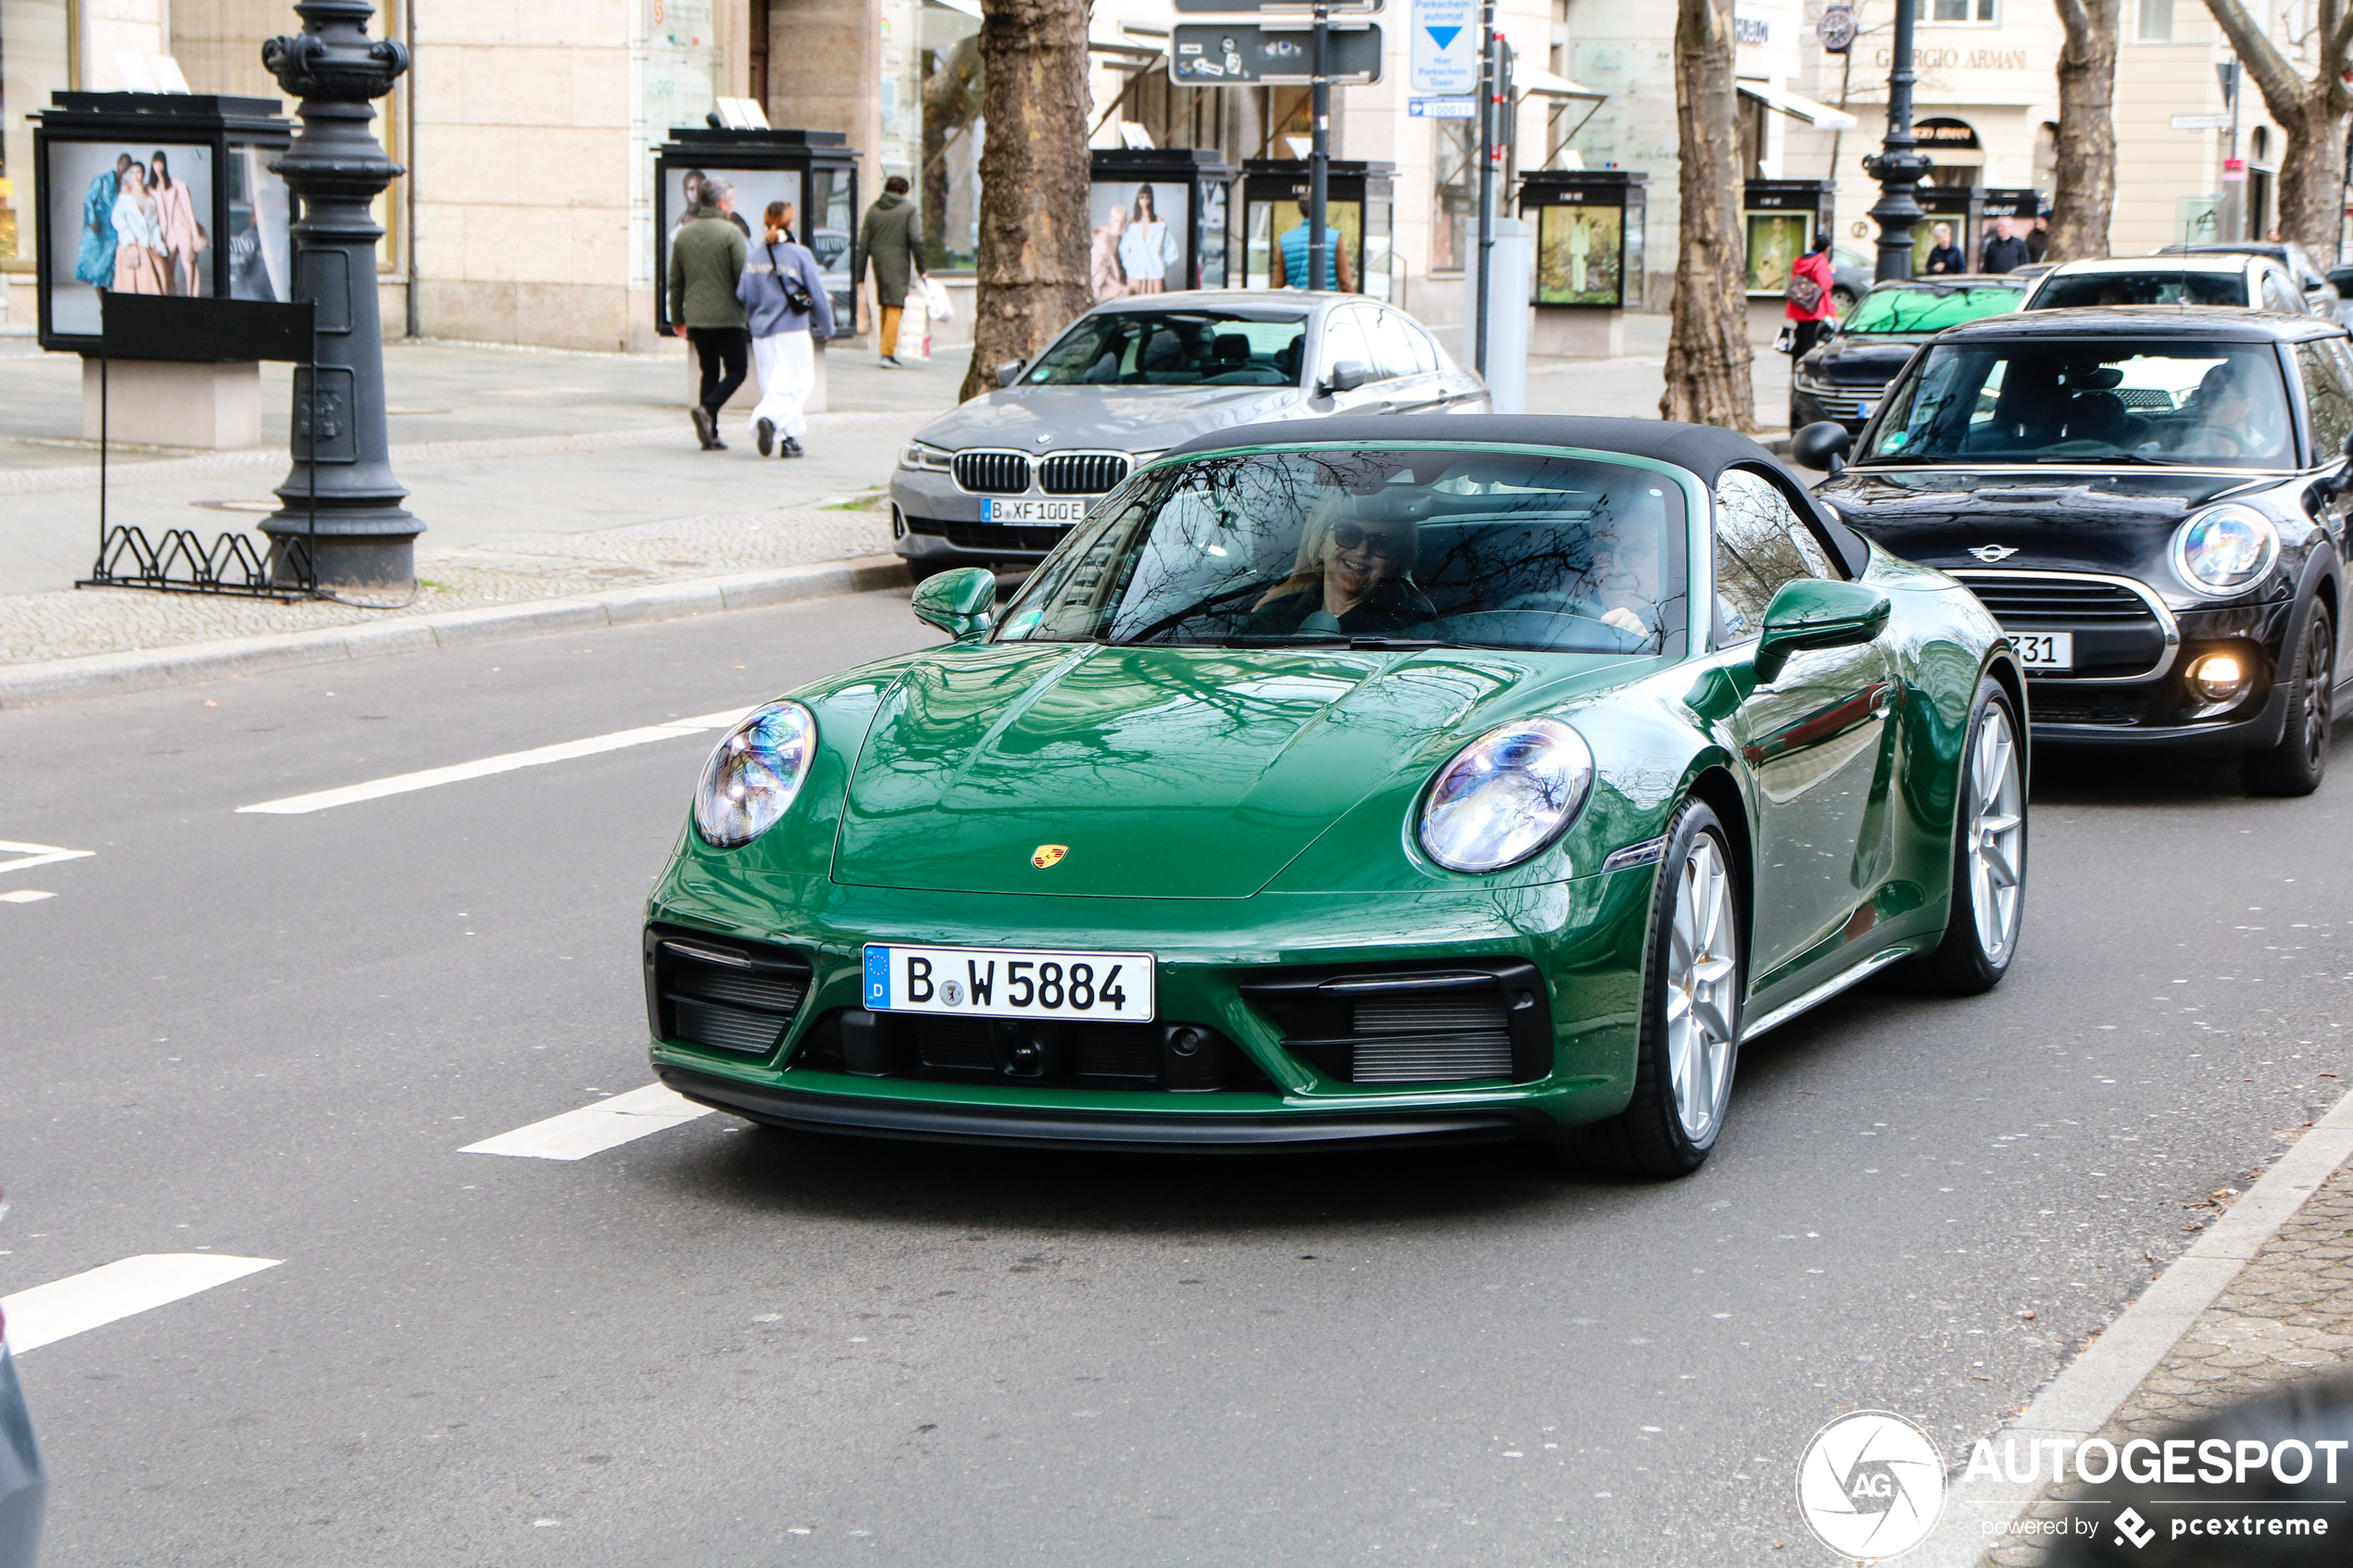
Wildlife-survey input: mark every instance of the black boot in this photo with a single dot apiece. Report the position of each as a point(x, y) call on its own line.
point(766, 430)
point(706, 428)
point(792, 448)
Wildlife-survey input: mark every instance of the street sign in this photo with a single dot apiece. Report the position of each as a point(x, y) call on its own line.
point(1442, 109)
point(1278, 7)
point(1443, 58)
point(2201, 122)
point(1271, 54)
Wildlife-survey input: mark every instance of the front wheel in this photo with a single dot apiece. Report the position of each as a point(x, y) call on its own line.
point(1690, 1034)
point(2296, 764)
point(1843, 298)
point(1989, 853)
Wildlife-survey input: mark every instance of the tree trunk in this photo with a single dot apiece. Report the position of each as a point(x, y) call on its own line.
point(2310, 110)
point(1709, 357)
point(1032, 265)
point(2083, 183)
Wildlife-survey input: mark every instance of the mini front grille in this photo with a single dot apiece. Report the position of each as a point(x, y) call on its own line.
point(993, 473)
point(2069, 599)
point(1088, 473)
point(2086, 705)
point(721, 992)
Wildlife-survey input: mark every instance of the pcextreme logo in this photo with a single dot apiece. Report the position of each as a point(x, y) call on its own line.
point(1871, 1484)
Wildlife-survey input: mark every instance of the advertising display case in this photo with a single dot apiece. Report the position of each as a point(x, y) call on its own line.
point(1589, 235)
point(1156, 217)
point(165, 194)
point(814, 172)
point(1781, 219)
point(1359, 200)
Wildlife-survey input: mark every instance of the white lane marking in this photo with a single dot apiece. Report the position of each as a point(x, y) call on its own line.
point(25, 896)
point(47, 1313)
point(594, 1128)
point(31, 855)
point(401, 783)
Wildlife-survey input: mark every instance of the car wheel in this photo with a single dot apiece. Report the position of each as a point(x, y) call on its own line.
point(1843, 298)
point(1989, 855)
point(1690, 1033)
point(2296, 764)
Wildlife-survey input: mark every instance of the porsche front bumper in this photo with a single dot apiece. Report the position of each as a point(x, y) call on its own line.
point(1244, 971)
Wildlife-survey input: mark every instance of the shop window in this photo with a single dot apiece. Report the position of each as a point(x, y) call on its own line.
point(1454, 193)
point(953, 134)
point(1951, 12)
point(2155, 21)
point(32, 66)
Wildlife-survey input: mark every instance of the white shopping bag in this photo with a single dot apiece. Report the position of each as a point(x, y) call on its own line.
point(914, 327)
point(935, 299)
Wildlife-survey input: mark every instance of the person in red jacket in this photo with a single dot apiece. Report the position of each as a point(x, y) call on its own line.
point(1810, 305)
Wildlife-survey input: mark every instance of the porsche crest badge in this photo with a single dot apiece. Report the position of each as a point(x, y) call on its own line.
point(1049, 855)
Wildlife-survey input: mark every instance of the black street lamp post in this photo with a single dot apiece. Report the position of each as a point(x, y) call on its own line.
point(1899, 165)
point(364, 537)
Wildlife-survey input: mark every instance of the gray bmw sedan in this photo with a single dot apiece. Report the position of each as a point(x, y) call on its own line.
point(999, 480)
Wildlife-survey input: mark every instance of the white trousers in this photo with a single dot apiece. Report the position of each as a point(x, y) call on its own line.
point(787, 368)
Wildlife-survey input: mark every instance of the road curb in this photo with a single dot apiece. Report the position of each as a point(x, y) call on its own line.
point(2090, 1390)
point(107, 674)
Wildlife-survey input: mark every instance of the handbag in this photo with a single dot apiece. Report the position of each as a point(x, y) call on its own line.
point(797, 299)
point(1803, 291)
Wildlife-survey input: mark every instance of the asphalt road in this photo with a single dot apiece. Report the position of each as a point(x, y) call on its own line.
point(271, 1035)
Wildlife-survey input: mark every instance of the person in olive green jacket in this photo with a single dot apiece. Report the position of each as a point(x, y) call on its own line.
point(892, 238)
point(705, 261)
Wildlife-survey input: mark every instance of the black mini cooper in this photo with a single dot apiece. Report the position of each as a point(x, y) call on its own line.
point(2153, 504)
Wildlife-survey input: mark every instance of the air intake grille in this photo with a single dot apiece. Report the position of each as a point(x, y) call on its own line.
point(1082, 474)
point(2047, 598)
point(993, 473)
point(1421, 1039)
point(720, 992)
point(1405, 1026)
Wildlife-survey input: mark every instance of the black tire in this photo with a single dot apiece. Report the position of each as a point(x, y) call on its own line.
point(2296, 764)
point(1651, 1136)
point(1843, 298)
point(1963, 965)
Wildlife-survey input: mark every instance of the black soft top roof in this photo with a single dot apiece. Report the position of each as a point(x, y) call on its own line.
point(2100, 323)
point(1704, 450)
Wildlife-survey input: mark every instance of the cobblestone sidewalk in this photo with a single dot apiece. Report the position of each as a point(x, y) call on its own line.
point(2287, 1316)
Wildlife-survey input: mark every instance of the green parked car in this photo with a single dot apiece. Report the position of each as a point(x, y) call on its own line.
point(1413, 778)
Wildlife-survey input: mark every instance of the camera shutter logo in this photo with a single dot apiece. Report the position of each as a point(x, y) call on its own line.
point(1871, 1484)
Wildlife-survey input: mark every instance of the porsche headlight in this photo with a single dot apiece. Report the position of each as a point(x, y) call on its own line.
point(2224, 549)
point(924, 457)
point(1506, 795)
point(752, 777)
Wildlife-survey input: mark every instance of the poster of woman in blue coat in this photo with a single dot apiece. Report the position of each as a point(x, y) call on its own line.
point(93, 263)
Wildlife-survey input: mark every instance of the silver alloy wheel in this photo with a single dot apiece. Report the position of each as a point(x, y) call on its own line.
point(1703, 976)
point(2319, 689)
point(1996, 835)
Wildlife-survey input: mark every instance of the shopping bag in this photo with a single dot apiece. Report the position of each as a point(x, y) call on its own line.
point(935, 299)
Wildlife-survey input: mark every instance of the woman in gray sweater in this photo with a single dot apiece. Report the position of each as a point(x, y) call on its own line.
point(783, 295)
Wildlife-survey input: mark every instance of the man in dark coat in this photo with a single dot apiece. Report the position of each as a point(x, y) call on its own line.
point(706, 260)
point(2005, 252)
point(891, 238)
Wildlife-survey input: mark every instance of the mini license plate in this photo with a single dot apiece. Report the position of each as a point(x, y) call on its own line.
point(2045, 650)
point(994, 509)
point(1010, 983)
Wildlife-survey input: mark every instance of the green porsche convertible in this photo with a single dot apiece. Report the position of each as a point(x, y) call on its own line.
point(1415, 779)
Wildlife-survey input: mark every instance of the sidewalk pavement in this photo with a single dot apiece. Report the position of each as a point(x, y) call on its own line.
point(540, 475)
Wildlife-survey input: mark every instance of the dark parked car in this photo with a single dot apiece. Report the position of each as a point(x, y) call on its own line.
point(2319, 295)
point(2151, 502)
point(1843, 377)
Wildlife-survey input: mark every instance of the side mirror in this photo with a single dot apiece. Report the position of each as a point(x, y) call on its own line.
point(1822, 444)
point(962, 603)
point(1816, 613)
point(1008, 372)
point(1347, 376)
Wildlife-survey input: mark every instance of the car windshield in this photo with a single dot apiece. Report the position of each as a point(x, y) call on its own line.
point(1928, 310)
point(2090, 400)
point(1430, 547)
point(2153, 286)
point(1177, 348)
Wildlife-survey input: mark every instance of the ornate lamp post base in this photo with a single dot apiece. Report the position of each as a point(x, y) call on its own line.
point(342, 474)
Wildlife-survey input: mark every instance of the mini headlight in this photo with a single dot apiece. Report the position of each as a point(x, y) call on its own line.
point(1506, 795)
point(2224, 549)
point(926, 458)
point(753, 775)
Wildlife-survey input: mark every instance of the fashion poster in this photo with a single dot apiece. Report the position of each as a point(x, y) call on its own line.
point(132, 217)
point(1775, 242)
point(755, 188)
point(1270, 222)
point(1136, 244)
point(1577, 259)
point(260, 248)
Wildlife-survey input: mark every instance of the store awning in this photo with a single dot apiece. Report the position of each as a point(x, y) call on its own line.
point(1536, 81)
point(1797, 105)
